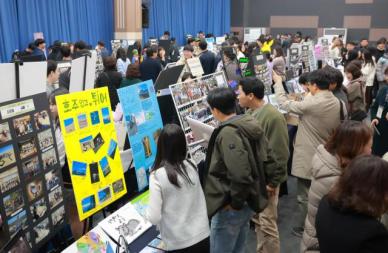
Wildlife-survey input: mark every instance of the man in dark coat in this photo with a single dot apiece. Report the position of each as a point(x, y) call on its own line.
point(207, 58)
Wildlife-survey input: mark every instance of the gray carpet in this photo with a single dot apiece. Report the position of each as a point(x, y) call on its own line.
point(287, 206)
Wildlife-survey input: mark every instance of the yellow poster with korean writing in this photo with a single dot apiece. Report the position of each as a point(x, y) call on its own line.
point(91, 147)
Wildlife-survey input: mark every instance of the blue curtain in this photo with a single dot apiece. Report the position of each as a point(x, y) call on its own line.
point(69, 20)
point(182, 17)
point(9, 39)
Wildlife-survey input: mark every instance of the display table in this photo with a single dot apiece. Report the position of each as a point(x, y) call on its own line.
point(98, 237)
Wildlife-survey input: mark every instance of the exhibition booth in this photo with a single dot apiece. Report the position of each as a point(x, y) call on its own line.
point(33, 196)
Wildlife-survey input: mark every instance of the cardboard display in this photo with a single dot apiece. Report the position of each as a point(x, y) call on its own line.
point(31, 188)
point(92, 150)
point(144, 124)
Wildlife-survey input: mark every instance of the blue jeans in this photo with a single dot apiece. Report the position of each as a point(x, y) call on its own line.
point(229, 230)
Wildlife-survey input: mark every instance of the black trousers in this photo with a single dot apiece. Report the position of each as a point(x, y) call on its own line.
point(201, 247)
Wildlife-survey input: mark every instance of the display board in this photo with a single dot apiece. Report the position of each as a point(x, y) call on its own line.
point(262, 72)
point(190, 101)
point(144, 124)
point(294, 56)
point(308, 60)
point(81, 78)
point(195, 66)
point(330, 33)
point(323, 45)
point(91, 148)
point(251, 34)
point(31, 187)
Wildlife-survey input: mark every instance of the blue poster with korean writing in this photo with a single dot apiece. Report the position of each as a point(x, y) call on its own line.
point(144, 124)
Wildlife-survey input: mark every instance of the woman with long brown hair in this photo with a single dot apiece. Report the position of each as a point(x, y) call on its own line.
point(350, 139)
point(347, 218)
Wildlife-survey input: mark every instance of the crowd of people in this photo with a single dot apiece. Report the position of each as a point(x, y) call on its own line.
point(334, 150)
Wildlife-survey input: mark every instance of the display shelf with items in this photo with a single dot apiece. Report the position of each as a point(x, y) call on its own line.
point(31, 187)
point(190, 101)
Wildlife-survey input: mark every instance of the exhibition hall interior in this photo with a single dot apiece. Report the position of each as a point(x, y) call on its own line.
point(193, 126)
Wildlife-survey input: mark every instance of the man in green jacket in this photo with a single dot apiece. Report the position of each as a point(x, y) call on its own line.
point(274, 125)
point(235, 185)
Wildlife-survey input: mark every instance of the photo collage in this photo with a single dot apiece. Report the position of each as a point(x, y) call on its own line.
point(190, 101)
point(28, 170)
point(143, 123)
point(92, 151)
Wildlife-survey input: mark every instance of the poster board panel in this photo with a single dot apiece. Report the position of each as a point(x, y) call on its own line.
point(92, 151)
point(33, 78)
point(144, 124)
point(8, 82)
point(31, 188)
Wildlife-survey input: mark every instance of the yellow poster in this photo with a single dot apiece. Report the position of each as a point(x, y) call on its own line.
point(91, 148)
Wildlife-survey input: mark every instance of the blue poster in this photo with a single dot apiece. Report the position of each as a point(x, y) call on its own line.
point(144, 124)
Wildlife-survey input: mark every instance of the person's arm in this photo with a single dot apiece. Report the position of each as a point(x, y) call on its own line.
point(154, 210)
point(235, 157)
point(297, 107)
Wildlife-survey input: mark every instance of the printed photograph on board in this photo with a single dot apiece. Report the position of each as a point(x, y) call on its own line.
point(13, 202)
point(105, 115)
point(42, 120)
point(143, 91)
point(17, 222)
point(95, 118)
point(27, 148)
point(45, 139)
point(41, 230)
point(69, 125)
point(105, 166)
point(88, 203)
point(78, 168)
point(58, 216)
point(130, 121)
point(5, 134)
point(118, 186)
point(55, 197)
point(98, 141)
point(7, 156)
point(112, 149)
point(38, 209)
point(34, 189)
point(49, 158)
point(104, 195)
point(31, 167)
point(82, 121)
point(23, 125)
point(9, 179)
point(52, 179)
point(86, 143)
